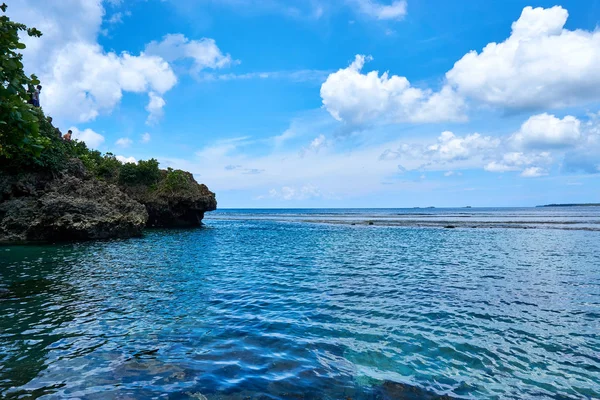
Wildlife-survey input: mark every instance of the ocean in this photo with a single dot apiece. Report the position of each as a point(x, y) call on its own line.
point(312, 304)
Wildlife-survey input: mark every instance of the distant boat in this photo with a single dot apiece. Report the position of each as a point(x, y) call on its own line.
point(468, 207)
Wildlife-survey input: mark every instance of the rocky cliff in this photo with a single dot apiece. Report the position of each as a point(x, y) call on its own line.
point(75, 205)
point(179, 202)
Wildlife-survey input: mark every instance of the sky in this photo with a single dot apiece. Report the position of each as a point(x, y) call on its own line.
point(333, 103)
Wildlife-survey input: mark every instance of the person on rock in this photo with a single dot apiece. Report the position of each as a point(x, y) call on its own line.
point(58, 132)
point(36, 95)
point(30, 91)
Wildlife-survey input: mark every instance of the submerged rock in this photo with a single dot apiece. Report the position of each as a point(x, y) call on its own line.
point(400, 391)
point(67, 207)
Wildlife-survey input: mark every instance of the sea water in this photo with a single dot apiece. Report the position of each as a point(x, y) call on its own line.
point(315, 304)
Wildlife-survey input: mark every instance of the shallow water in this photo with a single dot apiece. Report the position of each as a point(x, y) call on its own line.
point(269, 308)
point(571, 218)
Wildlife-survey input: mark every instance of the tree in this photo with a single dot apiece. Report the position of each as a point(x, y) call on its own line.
point(19, 121)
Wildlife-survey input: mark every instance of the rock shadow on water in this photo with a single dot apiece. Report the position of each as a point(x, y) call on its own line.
point(393, 390)
point(388, 390)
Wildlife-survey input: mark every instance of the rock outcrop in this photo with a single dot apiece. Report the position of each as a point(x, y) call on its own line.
point(73, 205)
point(181, 204)
point(67, 207)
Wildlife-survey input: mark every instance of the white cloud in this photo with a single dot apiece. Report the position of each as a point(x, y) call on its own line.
point(452, 173)
point(533, 172)
point(515, 161)
point(451, 147)
point(92, 139)
point(204, 52)
point(126, 160)
point(293, 193)
point(117, 17)
point(396, 10)
point(315, 145)
point(357, 98)
point(498, 166)
point(80, 80)
point(541, 65)
point(154, 108)
point(448, 151)
point(146, 137)
point(347, 171)
point(124, 142)
point(546, 131)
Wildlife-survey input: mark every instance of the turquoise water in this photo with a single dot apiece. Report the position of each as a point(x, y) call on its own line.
point(272, 307)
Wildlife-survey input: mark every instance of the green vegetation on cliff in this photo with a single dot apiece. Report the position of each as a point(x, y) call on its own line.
point(19, 128)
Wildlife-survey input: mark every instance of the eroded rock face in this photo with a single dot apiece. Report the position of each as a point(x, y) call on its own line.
point(182, 207)
point(71, 206)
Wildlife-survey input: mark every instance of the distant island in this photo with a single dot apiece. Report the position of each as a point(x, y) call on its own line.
point(572, 205)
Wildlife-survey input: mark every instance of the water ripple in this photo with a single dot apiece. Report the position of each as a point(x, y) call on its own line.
point(263, 309)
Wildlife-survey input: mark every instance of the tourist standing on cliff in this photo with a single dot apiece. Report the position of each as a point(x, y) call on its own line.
point(67, 136)
point(58, 132)
point(36, 96)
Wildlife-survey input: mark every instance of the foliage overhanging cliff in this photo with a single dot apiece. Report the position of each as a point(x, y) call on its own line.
point(53, 189)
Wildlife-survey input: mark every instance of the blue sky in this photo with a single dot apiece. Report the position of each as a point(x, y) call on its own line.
point(322, 103)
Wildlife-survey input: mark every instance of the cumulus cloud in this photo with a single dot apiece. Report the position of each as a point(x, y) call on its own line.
point(448, 151)
point(395, 11)
point(548, 131)
point(533, 172)
point(451, 152)
point(126, 160)
point(154, 108)
point(80, 79)
point(452, 147)
point(146, 137)
point(204, 52)
point(541, 65)
point(92, 139)
point(355, 97)
point(124, 142)
point(515, 161)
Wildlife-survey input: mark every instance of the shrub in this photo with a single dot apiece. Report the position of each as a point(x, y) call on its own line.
point(174, 181)
point(108, 167)
point(143, 173)
point(19, 125)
